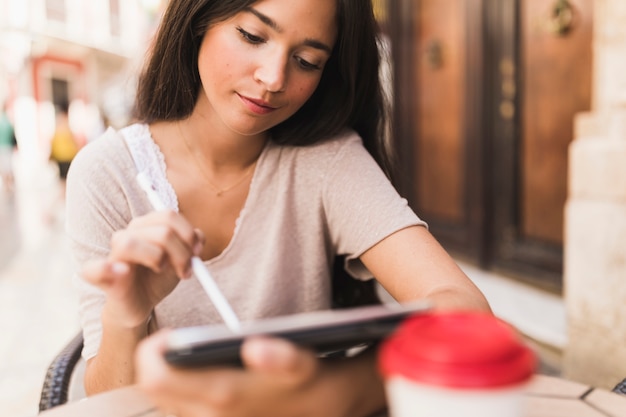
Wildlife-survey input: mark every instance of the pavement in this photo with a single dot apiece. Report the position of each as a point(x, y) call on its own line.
point(38, 305)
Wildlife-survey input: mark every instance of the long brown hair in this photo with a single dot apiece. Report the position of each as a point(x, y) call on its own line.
point(349, 93)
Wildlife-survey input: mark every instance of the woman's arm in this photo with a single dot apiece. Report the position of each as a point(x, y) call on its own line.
point(410, 264)
point(112, 367)
point(147, 260)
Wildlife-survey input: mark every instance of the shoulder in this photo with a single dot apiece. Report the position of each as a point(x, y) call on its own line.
point(331, 164)
point(329, 151)
point(348, 139)
point(101, 157)
point(344, 152)
point(107, 145)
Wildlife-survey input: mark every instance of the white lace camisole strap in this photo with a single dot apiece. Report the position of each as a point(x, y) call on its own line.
point(149, 159)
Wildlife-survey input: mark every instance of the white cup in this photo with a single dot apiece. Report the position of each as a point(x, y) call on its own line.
point(455, 364)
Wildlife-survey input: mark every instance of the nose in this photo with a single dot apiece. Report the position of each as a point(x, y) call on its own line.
point(272, 72)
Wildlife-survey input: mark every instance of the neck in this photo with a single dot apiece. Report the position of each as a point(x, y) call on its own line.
point(220, 151)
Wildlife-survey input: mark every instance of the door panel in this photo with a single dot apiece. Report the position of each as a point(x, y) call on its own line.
point(443, 120)
point(552, 73)
point(556, 85)
point(440, 96)
point(437, 116)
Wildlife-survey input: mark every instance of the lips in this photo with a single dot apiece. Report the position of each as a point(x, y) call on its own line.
point(257, 106)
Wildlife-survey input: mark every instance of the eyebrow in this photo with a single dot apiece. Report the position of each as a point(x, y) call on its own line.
point(272, 24)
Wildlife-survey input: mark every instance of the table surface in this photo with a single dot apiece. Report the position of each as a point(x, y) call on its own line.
point(547, 396)
point(556, 397)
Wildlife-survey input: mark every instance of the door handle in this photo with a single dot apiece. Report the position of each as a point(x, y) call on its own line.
point(434, 54)
point(561, 18)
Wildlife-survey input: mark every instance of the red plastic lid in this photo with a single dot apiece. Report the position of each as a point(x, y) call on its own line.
point(460, 349)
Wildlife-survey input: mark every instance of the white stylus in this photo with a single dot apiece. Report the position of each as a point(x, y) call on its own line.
point(199, 269)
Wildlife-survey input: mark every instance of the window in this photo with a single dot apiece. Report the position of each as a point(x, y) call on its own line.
point(60, 92)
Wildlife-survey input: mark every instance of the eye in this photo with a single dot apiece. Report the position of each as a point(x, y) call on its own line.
point(250, 38)
point(307, 66)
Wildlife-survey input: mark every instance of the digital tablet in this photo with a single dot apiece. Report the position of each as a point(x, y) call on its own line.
point(325, 332)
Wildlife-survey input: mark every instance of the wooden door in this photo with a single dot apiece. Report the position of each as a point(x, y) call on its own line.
point(486, 92)
point(540, 69)
point(437, 123)
point(441, 94)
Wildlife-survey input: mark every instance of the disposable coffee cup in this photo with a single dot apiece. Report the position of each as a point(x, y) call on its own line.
point(455, 364)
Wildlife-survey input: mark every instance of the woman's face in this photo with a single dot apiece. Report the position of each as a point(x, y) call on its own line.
point(260, 66)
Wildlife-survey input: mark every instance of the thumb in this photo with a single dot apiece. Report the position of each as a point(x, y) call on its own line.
point(279, 357)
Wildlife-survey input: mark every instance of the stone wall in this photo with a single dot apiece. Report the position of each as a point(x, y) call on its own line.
point(595, 215)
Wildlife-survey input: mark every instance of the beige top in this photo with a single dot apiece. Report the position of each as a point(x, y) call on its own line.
point(305, 204)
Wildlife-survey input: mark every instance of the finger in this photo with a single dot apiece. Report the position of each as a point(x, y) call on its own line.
point(155, 247)
point(199, 242)
point(171, 219)
point(103, 273)
point(175, 251)
point(279, 357)
point(141, 249)
point(173, 234)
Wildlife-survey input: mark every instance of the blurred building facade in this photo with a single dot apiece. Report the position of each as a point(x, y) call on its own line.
point(83, 53)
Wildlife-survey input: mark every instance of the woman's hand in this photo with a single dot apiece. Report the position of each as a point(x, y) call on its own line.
point(146, 261)
point(276, 375)
point(279, 379)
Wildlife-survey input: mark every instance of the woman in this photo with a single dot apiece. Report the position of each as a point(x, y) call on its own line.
point(260, 130)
